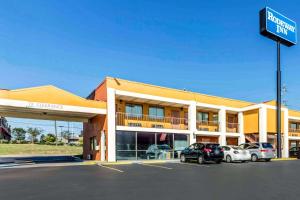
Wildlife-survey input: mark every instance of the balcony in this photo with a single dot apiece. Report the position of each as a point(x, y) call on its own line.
point(148, 121)
point(294, 132)
point(211, 126)
point(232, 127)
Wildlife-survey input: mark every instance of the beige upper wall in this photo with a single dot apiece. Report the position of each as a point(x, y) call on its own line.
point(131, 86)
point(294, 113)
point(271, 121)
point(251, 123)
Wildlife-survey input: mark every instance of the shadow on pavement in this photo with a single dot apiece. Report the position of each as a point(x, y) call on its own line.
point(39, 159)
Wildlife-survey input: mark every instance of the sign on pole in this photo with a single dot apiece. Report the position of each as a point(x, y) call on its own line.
point(278, 27)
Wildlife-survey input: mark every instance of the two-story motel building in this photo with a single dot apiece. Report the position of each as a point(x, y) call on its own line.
point(140, 117)
point(125, 120)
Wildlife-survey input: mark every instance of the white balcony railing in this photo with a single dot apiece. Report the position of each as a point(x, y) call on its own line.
point(148, 121)
point(212, 126)
point(232, 127)
point(294, 132)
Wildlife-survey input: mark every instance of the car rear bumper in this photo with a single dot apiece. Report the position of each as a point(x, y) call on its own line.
point(267, 155)
point(214, 157)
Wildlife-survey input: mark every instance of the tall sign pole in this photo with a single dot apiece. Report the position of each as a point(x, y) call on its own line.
point(284, 31)
point(278, 103)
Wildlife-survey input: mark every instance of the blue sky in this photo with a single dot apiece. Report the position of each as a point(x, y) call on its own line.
point(212, 47)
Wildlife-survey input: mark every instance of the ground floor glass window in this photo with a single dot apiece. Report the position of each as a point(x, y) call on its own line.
point(147, 145)
point(126, 145)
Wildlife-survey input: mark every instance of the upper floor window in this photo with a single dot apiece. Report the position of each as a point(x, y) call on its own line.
point(232, 119)
point(215, 117)
point(293, 126)
point(134, 110)
point(156, 112)
point(202, 116)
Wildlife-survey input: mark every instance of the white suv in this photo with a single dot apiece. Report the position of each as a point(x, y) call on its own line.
point(259, 151)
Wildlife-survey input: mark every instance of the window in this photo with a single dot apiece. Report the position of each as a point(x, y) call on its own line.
point(253, 146)
point(134, 110)
point(126, 145)
point(226, 148)
point(232, 119)
point(267, 146)
point(215, 118)
point(186, 118)
point(199, 146)
point(202, 116)
point(147, 145)
point(156, 112)
point(93, 143)
point(293, 126)
point(244, 146)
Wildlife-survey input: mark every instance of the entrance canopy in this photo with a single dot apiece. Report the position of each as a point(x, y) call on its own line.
point(49, 103)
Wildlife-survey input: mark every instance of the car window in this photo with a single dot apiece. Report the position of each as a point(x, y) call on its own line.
point(253, 147)
point(212, 146)
point(163, 147)
point(199, 146)
point(244, 146)
point(226, 148)
point(293, 149)
point(192, 146)
point(267, 145)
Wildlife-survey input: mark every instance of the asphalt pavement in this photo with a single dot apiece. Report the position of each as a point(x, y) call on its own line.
point(255, 181)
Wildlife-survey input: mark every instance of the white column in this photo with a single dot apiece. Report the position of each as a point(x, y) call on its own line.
point(111, 125)
point(285, 152)
point(192, 112)
point(222, 126)
point(263, 124)
point(241, 128)
point(102, 146)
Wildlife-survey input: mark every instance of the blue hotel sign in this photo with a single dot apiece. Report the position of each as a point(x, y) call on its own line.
point(278, 27)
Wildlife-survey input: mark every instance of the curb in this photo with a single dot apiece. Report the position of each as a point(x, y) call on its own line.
point(129, 162)
point(284, 159)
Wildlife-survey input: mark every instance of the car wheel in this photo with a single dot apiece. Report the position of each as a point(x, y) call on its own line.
point(228, 159)
point(268, 159)
point(254, 158)
point(200, 159)
point(182, 158)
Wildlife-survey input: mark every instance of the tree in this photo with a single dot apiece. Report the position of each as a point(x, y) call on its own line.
point(42, 139)
point(34, 132)
point(80, 141)
point(49, 138)
point(66, 135)
point(19, 134)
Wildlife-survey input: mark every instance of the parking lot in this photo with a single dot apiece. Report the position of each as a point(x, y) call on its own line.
point(260, 180)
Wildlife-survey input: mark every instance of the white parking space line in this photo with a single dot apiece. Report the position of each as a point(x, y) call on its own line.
point(150, 165)
point(193, 164)
point(111, 168)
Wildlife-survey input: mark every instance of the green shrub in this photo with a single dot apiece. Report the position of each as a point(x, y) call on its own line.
point(2, 141)
point(13, 142)
point(24, 142)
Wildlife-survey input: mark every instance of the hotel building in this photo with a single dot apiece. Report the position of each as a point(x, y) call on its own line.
point(142, 119)
point(126, 120)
